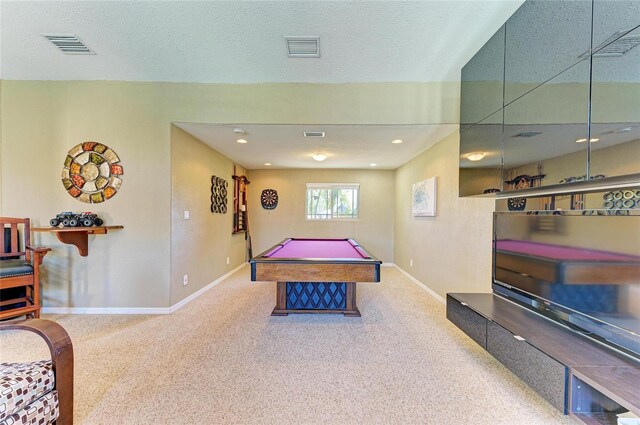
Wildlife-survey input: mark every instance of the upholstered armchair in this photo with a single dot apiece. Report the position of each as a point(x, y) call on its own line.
point(38, 392)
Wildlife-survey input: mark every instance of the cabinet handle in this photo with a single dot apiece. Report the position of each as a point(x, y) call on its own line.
point(519, 338)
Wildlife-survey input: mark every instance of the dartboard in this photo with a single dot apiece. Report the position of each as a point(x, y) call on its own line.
point(92, 172)
point(269, 199)
point(517, 204)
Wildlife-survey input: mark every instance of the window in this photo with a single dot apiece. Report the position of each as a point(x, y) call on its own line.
point(331, 201)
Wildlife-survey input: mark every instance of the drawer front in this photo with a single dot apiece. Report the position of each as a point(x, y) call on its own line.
point(467, 320)
point(542, 373)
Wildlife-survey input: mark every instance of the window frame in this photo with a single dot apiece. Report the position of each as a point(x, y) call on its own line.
point(331, 187)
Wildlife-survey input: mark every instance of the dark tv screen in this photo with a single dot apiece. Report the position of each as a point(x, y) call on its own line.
point(580, 268)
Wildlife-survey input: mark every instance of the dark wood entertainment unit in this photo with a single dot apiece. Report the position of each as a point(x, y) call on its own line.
point(578, 376)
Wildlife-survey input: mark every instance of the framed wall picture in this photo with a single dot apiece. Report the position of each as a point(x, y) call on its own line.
point(424, 198)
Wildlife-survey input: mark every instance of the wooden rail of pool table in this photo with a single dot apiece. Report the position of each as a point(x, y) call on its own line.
point(309, 272)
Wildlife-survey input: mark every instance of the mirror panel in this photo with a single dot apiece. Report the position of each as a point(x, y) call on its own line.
point(484, 175)
point(482, 82)
point(615, 112)
point(541, 130)
point(613, 19)
point(543, 39)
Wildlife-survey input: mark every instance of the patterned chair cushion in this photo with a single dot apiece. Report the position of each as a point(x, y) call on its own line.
point(43, 411)
point(23, 383)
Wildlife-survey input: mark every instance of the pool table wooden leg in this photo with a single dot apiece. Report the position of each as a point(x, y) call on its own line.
point(281, 300)
point(352, 308)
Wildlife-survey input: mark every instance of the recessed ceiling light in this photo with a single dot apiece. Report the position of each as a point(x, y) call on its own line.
point(397, 141)
point(593, 140)
point(476, 156)
point(241, 141)
point(267, 164)
point(373, 164)
point(238, 131)
point(319, 156)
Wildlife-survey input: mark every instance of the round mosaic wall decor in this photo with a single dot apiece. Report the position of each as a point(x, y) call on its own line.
point(92, 172)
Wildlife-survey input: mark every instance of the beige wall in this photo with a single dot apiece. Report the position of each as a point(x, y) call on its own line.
point(452, 251)
point(42, 120)
point(200, 245)
point(373, 229)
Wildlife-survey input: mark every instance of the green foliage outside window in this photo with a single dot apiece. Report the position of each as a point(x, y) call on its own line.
point(331, 201)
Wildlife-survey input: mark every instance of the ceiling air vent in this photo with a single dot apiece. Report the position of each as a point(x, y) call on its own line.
point(303, 47)
point(527, 134)
point(69, 44)
point(611, 48)
point(314, 134)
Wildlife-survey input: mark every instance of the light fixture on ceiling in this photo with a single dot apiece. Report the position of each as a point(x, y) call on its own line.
point(268, 164)
point(476, 156)
point(241, 141)
point(593, 140)
point(373, 164)
point(314, 134)
point(622, 130)
point(319, 156)
point(239, 131)
point(397, 141)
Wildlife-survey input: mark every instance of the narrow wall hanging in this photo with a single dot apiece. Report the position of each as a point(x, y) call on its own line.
point(218, 195)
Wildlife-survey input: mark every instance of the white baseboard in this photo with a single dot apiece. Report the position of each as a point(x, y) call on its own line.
point(387, 265)
point(106, 310)
point(196, 294)
point(421, 285)
point(139, 310)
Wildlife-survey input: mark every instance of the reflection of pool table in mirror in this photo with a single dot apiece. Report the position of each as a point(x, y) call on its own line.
point(564, 265)
point(590, 281)
point(316, 275)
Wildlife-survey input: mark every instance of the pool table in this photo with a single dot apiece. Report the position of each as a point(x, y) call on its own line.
point(316, 275)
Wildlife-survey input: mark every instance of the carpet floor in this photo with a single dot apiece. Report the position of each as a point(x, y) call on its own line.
point(222, 359)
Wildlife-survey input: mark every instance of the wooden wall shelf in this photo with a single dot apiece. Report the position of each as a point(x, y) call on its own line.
point(78, 236)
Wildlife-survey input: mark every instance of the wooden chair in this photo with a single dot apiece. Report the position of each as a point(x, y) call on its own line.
point(56, 397)
point(19, 270)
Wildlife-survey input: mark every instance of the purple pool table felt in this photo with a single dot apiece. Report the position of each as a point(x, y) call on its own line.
point(561, 253)
point(317, 248)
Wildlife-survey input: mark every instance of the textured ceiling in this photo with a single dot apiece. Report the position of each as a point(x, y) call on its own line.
point(243, 41)
point(346, 146)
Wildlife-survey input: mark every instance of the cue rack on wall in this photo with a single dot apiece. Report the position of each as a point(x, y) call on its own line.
point(240, 217)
